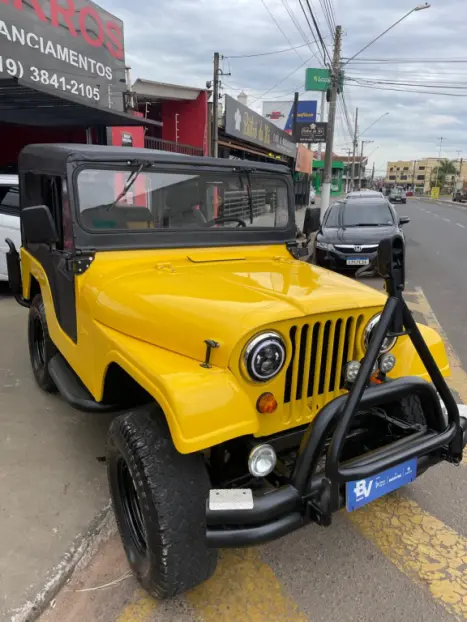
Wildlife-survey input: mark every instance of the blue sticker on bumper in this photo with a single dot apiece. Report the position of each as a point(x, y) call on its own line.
point(365, 491)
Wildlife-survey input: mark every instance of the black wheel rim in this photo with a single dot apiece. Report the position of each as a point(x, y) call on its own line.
point(131, 508)
point(38, 344)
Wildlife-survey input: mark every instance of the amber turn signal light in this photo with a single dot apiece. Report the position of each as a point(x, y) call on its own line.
point(266, 403)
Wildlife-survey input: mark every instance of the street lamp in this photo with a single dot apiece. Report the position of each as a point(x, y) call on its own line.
point(375, 122)
point(419, 7)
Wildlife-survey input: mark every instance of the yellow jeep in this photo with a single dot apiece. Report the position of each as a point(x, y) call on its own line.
point(254, 393)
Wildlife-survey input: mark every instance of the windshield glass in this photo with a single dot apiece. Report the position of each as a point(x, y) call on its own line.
point(367, 214)
point(123, 199)
point(332, 216)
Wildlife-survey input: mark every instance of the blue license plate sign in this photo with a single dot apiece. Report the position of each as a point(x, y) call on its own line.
point(357, 261)
point(365, 491)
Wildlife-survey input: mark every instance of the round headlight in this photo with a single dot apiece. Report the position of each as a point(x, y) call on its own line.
point(265, 356)
point(388, 343)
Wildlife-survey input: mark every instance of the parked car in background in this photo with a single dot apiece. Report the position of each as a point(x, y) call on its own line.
point(398, 195)
point(460, 195)
point(9, 218)
point(312, 195)
point(364, 194)
point(352, 230)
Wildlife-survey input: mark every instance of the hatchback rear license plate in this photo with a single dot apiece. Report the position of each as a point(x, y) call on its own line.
point(361, 261)
point(365, 491)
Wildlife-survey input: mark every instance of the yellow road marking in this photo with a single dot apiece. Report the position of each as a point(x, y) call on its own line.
point(244, 589)
point(140, 609)
point(420, 546)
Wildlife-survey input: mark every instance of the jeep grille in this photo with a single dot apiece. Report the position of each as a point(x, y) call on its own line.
point(319, 351)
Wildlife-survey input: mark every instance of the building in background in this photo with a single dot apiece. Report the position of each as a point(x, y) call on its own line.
point(280, 113)
point(420, 175)
point(182, 112)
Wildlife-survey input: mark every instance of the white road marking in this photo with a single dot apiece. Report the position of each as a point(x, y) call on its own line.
point(446, 220)
point(459, 225)
point(435, 215)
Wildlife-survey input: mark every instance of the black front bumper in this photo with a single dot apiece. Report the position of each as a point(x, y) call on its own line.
point(337, 260)
point(313, 496)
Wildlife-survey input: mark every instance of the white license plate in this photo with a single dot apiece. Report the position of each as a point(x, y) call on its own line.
point(361, 261)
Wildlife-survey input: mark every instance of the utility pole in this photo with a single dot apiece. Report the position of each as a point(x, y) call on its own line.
point(441, 138)
point(355, 145)
point(348, 180)
point(361, 163)
point(295, 116)
point(215, 109)
point(373, 174)
point(333, 90)
point(322, 118)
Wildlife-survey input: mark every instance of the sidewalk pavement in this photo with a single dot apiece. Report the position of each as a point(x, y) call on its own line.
point(53, 488)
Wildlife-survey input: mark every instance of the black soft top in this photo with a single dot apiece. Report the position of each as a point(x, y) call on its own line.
point(52, 159)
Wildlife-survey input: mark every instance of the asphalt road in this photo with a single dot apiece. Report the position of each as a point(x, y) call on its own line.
point(437, 262)
point(402, 558)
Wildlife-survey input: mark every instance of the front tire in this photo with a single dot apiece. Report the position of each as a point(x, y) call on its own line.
point(159, 498)
point(41, 346)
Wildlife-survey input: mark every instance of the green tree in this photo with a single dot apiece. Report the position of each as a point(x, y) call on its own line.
point(445, 169)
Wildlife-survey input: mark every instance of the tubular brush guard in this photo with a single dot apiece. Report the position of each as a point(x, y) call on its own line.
point(312, 497)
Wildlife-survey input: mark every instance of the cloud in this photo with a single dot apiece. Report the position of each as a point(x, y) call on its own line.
point(174, 41)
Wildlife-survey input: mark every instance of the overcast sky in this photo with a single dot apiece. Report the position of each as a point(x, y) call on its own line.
point(174, 41)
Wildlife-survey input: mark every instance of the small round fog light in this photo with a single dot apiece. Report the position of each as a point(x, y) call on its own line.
point(262, 460)
point(387, 362)
point(351, 370)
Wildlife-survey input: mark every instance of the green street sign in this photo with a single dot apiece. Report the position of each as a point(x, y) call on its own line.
point(320, 80)
point(317, 79)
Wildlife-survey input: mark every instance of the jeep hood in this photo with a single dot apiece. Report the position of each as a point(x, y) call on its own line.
point(179, 304)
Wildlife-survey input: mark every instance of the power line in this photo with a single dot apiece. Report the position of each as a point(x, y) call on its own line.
point(280, 28)
point(383, 88)
point(296, 22)
point(364, 61)
point(310, 26)
point(318, 32)
point(437, 85)
point(283, 79)
point(296, 47)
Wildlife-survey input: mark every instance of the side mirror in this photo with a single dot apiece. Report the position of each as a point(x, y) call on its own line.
point(38, 225)
point(312, 222)
point(391, 259)
point(404, 220)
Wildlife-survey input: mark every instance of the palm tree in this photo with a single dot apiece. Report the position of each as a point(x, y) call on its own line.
point(444, 169)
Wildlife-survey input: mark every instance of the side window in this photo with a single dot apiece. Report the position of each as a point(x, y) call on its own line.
point(9, 200)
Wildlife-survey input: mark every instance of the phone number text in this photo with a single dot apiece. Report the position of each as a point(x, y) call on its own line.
point(15, 69)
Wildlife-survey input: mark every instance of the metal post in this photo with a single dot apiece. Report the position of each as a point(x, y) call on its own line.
point(335, 78)
point(360, 167)
point(215, 109)
point(439, 159)
point(322, 118)
point(355, 145)
point(295, 116)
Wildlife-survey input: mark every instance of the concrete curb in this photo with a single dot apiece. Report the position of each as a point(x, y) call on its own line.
point(84, 546)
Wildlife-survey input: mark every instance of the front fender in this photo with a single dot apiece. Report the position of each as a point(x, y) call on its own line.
point(203, 407)
point(408, 363)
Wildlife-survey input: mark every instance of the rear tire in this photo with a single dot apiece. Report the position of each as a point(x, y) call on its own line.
point(159, 498)
point(41, 346)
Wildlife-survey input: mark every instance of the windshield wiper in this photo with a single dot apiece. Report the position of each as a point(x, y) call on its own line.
point(132, 177)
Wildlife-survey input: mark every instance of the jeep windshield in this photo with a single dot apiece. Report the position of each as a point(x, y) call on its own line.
point(141, 199)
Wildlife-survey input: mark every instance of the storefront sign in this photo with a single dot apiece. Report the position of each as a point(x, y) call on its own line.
point(312, 133)
point(280, 113)
point(243, 123)
point(71, 47)
point(304, 162)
